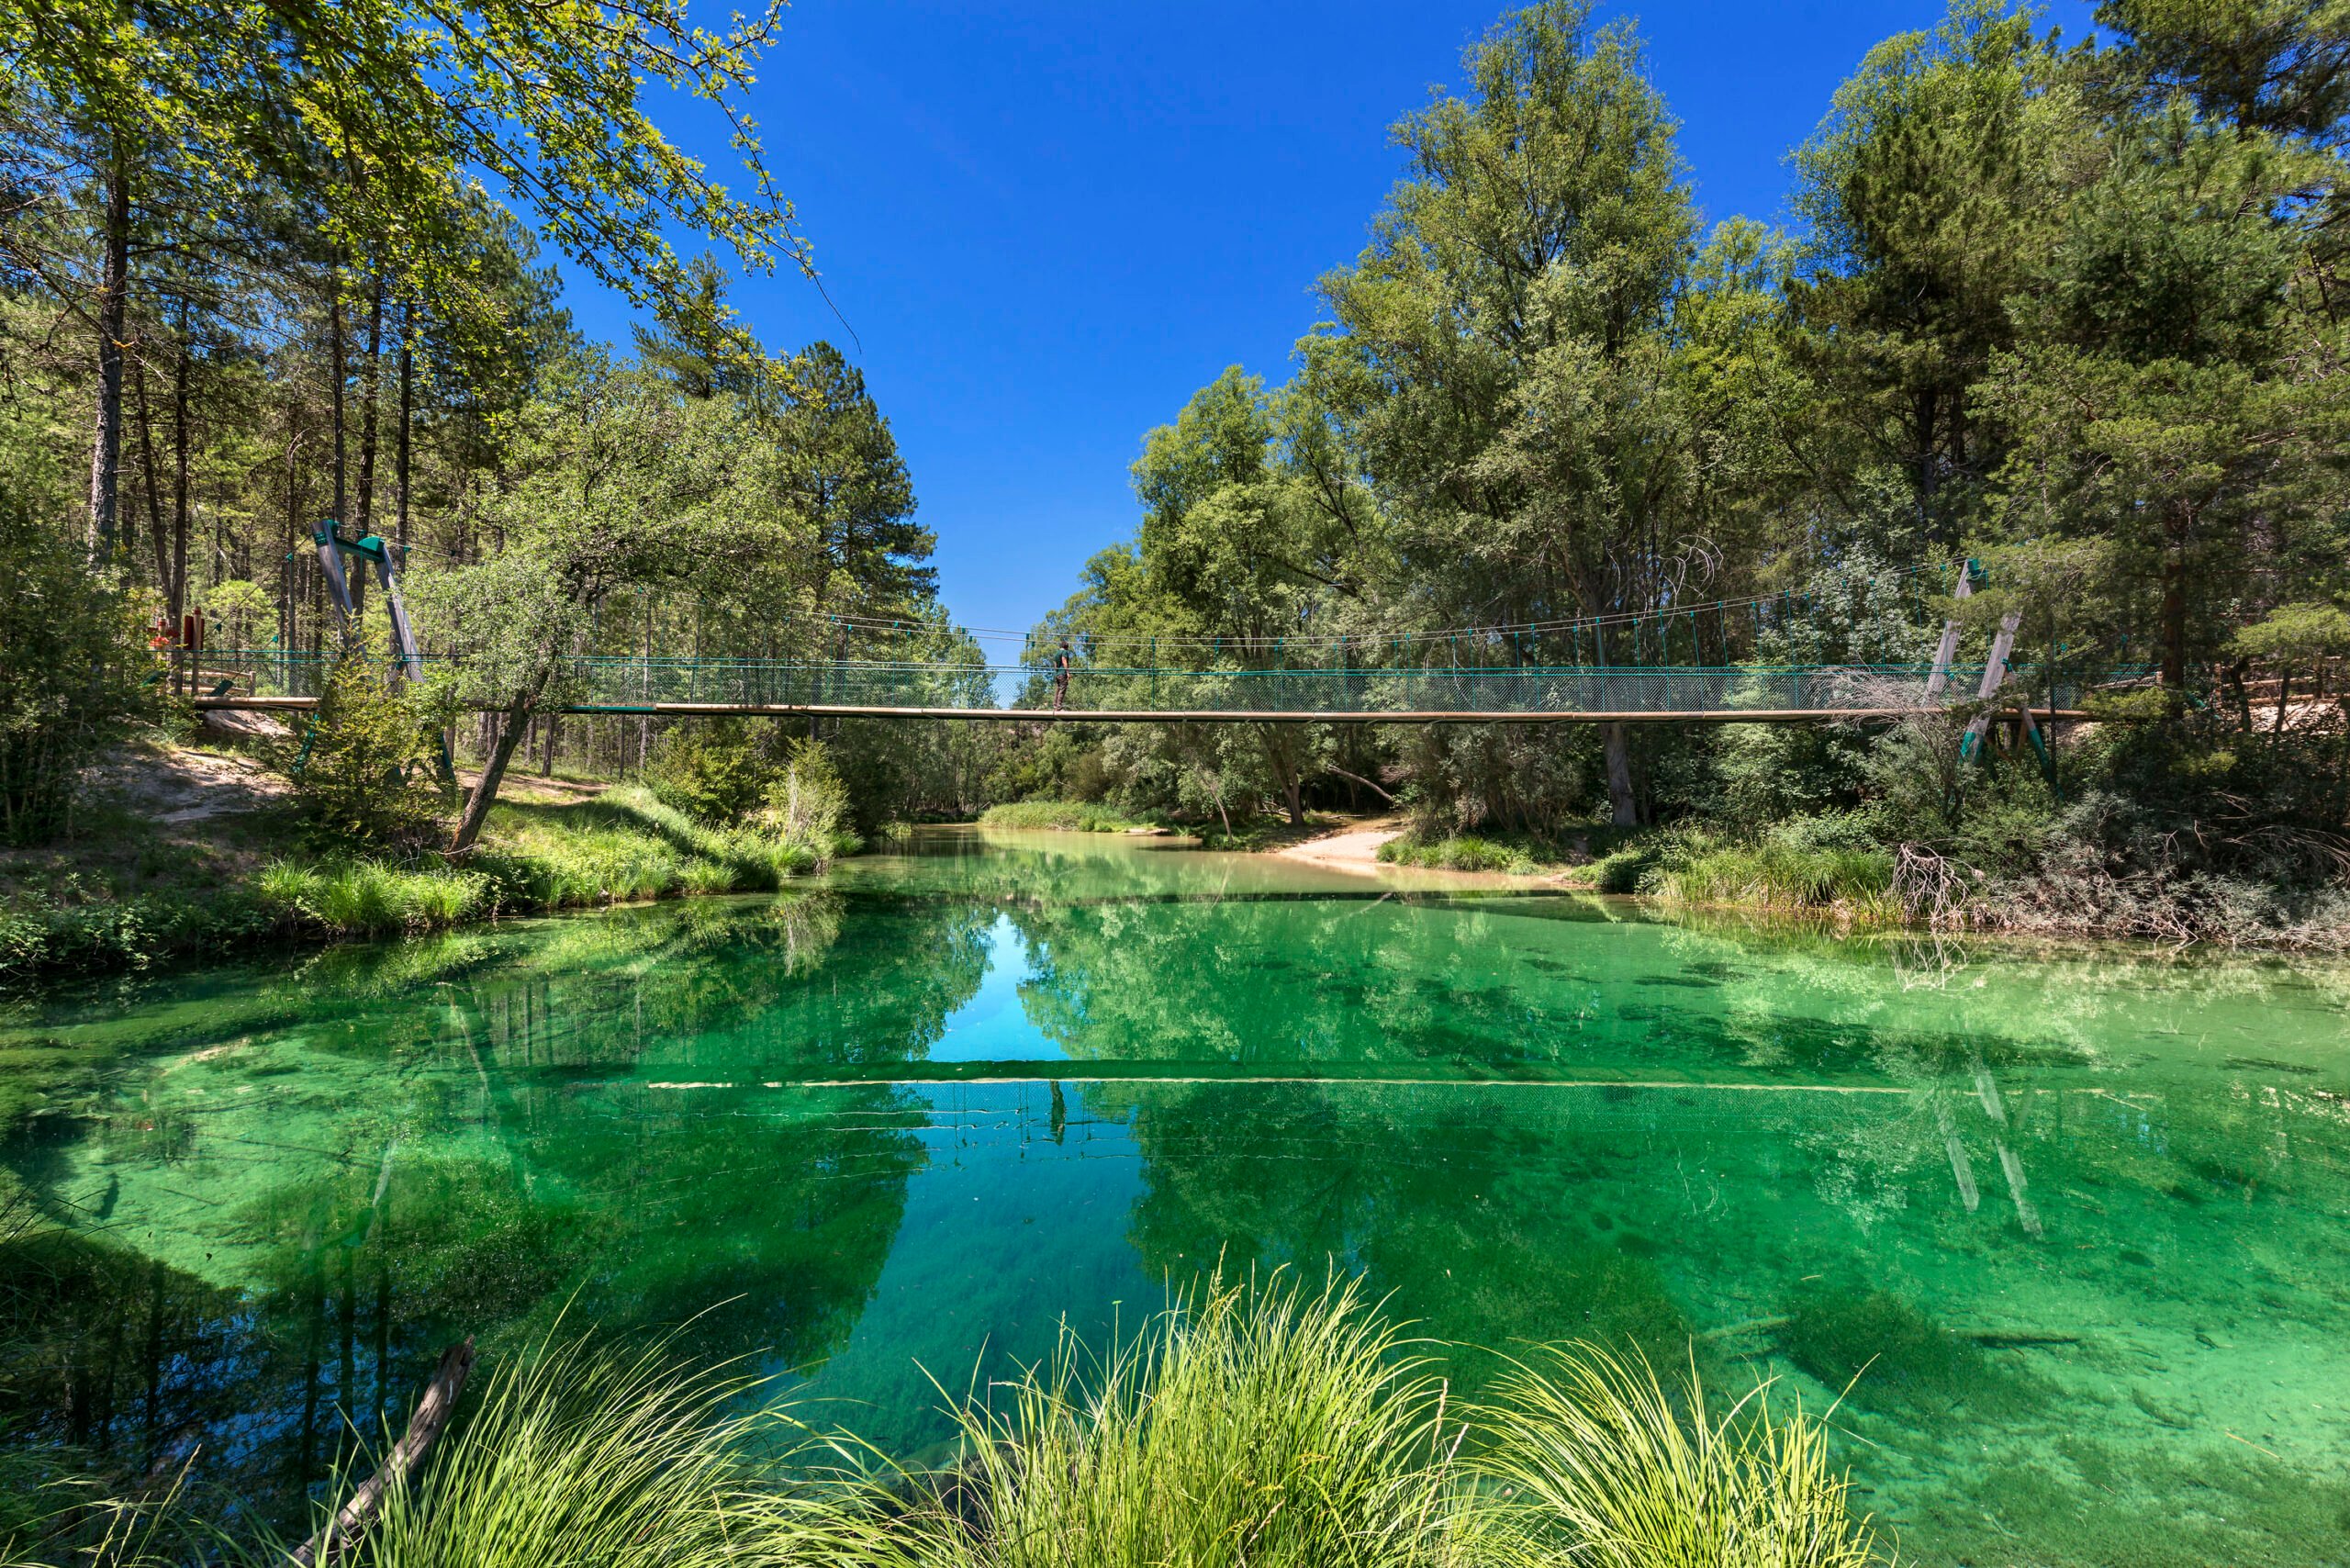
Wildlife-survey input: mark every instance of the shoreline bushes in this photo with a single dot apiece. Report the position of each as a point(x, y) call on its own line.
point(1067, 816)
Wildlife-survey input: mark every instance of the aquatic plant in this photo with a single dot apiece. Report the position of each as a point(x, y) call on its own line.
point(1607, 1467)
point(587, 1453)
point(1263, 1426)
point(1887, 1351)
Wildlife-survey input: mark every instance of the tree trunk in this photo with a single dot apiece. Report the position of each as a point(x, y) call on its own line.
point(2174, 615)
point(113, 296)
point(179, 473)
point(371, 381)
point(155, 530)
point(334, 393)
point(546, 747)
point(493, 769)
point(1625, 806)
point(286, 573)
point(408, 418)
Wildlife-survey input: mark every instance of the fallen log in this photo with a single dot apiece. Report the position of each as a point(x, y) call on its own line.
point(432, 1413)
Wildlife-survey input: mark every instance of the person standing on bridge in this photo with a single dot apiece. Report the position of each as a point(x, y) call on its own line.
point(1061, 662)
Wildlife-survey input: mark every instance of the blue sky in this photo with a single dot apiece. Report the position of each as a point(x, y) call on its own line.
point(1048, 223)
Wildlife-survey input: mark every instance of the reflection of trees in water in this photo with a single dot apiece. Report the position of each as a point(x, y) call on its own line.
point(435, 1165)
point(1474, 1214)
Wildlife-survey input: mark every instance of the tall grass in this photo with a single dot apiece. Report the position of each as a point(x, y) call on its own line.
point(1605, 1467)
point(591, 1456)
point(624, 847)
point(1074, 816)
point(1459, 852)
point(370, 898)
point(1263, 1427)
point(1774, 874)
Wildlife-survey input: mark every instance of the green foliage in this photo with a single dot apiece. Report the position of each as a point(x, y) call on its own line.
point(41, 939)
point(1074, 816)
point(588, 1453)
point(2297, 636)
point(712, 770)
point(1245, 1427)
point(70, 677)
point(365, 776)
point(1606, 1466)
point(363, 898)
point(1458, 852)
point(1626, 870)
point(720, 774)
point(1780, 872)
point(806, 803)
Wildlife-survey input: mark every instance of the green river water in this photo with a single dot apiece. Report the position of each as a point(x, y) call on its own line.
point(2075, 1217)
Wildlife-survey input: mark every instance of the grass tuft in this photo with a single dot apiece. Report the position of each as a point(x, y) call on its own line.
point(1459, 852)
point(1264, 1426)
point(1608, 1468)
point(581, 1453)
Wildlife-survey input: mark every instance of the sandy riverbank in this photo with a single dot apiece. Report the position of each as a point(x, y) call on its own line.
point(1352, 850)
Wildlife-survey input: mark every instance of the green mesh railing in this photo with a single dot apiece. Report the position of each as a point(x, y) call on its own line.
point(624, 685)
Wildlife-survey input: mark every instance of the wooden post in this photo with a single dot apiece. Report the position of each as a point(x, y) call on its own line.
point(1995, 671)
point(1948, 650)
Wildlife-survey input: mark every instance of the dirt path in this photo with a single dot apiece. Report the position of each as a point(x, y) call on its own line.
point(1352, 850)
point(177, 788)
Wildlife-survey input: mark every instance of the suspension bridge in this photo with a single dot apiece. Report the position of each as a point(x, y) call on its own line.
point(1114, 694)
point(1870, 647)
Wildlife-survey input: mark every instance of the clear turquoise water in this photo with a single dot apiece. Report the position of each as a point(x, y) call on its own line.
point(2074, 1216)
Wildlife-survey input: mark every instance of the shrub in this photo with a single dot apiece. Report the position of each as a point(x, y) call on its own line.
point(71, 675)
point(710, 770)
point(1074, 816)
point(366, 772)
point(808, 806)
point(1625, 869)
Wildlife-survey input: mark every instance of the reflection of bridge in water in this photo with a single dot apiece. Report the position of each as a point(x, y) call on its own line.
point(1434, 694)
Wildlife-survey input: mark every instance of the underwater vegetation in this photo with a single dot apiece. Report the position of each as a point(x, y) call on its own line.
point(1883, 1351)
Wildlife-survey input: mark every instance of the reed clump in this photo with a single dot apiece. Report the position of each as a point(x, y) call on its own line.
point(1608, 1466)
point(604, 1457)
point(1258, 1426)
point(1265, 1427)
point(1068, 816)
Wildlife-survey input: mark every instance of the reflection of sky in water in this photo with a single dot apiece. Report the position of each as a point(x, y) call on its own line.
point(992, 1026)
point(1007, 1228)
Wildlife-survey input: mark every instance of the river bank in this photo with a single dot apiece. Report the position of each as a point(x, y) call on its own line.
point(180, 855)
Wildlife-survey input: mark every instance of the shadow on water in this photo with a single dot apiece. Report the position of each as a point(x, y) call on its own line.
point(2063, 1228)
